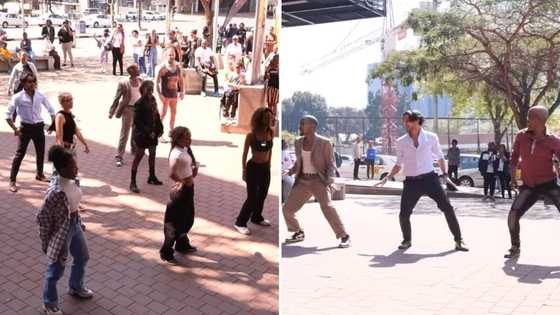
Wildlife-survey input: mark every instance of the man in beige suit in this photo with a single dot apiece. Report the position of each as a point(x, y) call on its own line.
point(128, 92)
point(314, 169)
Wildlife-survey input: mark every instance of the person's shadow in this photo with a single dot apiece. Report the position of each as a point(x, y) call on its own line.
point(291, 251)
point(533, 274)
point(401, 257)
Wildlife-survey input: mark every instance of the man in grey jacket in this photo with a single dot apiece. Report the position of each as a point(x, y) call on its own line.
point(128, 92)
point(314, 170)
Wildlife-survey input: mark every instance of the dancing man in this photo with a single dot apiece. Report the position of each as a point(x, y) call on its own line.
point(536, 149)
point(314, 170)
point(416, 151)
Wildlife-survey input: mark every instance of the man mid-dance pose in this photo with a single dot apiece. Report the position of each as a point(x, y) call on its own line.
point(536, 149)
point(416, 152)
point(314, 170)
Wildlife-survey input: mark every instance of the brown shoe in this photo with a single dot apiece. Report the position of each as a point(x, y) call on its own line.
point(42, 178)
point(13, 187)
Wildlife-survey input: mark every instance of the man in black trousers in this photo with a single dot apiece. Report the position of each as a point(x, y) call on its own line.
point(27, 104)
point(416, 151)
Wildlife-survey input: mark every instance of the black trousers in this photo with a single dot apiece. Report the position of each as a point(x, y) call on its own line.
point(505, 181)
point(33, 133)
point(453, 171)
point(370, 168)
point(258, 181)
point(178, 221)
point(356, 168)
point(117, 57)
point(205, 76)
point(138, 155)
point(229, 103)
point(527, 197)
point(429, 185)
point(489, 184)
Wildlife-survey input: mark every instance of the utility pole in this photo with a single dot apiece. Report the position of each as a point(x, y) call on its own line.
point(258, 40)
point(215, 34)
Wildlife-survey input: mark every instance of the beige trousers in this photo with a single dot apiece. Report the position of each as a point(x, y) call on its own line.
point(126, 124)
point(300, 194)
point(67, 49)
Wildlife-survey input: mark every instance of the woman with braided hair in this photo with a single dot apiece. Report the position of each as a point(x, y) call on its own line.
point(179, 213)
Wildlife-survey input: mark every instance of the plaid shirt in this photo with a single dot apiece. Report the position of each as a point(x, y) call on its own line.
point(54, 222)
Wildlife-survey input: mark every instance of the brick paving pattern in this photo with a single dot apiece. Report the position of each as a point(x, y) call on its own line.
point(230, 274)
point(373, 277)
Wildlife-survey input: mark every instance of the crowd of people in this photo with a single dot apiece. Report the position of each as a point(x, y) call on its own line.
point(142, 125)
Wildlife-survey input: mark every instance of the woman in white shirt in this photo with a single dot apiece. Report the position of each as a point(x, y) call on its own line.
point(179, 214)
point(117, 43)
point(138, 51)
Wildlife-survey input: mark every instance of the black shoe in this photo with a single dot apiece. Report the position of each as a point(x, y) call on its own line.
point(169, 259)
point(134, 188)
point(405, 245)
point(514, 252)
point(460, 246)
point(186, 250)
point(296, 237)
point(344, 242)
point(42, 178)
point(154, 181)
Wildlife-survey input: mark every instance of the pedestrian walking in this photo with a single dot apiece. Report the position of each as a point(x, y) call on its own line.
point(357, 156)
point(454, 160)
point(415, 154)
point(66, 39)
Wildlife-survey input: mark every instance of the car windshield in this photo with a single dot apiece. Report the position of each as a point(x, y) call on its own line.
point(469, 162)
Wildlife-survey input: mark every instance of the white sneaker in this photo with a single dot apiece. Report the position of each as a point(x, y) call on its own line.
point(242, 229)
point(203, 94)
point(84, 293)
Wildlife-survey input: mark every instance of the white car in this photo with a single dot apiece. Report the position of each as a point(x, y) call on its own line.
point(131, 15)
point(56, 19)
point(152, 16)
point(468, 174)
point(97, 20)
point(12, 20)
point(34, 19)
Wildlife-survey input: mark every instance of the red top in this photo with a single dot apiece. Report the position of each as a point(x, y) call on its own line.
point(536, 157)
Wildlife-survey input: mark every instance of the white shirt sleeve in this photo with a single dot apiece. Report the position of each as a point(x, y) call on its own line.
point(11, 108)
point(436, 148)
point(400, 155)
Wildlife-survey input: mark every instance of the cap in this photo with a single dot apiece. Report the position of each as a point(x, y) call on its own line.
point(311, 118)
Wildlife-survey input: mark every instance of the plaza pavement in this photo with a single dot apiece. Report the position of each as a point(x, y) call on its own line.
point(373, 277)
point(230, 274)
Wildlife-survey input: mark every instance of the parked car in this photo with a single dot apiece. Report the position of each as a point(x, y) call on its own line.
point(56, 19)
point(34, 19)
point(12, 20)
point(152, 16)
point(98, 20)
point(90, 11)
point(131, 15)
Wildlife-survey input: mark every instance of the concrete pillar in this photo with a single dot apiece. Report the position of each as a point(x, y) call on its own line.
point(258, 40)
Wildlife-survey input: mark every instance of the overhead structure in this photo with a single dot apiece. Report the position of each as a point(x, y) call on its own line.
point(309, 12)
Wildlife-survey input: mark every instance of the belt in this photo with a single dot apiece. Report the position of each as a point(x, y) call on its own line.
point(33, 125)
point(421, 176)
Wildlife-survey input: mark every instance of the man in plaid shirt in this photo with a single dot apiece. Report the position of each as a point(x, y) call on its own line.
point(61, 231)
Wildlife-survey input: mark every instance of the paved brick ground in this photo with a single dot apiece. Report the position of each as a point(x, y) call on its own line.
point(231, 273)
point(372, 277)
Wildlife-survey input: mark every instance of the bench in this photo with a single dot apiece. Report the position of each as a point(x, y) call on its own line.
point(41, 63)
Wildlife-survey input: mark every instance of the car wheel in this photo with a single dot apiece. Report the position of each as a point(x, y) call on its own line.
point(466, 181)
point(96, 24)
point(5, 24)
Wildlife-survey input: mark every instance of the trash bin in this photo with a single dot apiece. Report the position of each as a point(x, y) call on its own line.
point(82, 27)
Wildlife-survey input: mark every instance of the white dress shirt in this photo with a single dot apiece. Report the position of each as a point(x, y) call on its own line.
point(356, 154)
point(29, 108)
point(205, 55)
point(418, 161)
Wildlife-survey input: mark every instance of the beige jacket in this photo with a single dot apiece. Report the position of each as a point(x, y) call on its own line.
point(122, 98)
point(322, 157)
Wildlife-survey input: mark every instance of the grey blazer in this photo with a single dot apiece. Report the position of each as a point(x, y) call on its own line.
point(122, 98)
point(322, 157)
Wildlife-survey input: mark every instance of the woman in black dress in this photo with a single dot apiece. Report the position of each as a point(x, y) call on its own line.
point(65, 126)
point(147, 128)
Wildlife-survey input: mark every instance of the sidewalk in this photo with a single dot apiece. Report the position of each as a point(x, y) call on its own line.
point(373, 277)
point(230, 274)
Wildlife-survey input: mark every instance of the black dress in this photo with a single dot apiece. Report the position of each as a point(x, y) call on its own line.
point(147, 123)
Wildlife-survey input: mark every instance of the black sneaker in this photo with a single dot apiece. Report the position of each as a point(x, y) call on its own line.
point(154, 181)
point(296, 237)
point(186, 249)
point(52, 310)
point(514, 252)
point(170, 260)
point(405, 245)
point(344, 242)
point(134, 188)
point(460, 246)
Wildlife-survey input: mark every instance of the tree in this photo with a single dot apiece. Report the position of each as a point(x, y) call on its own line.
point(300, 104)
point(352, 121)
point(209, 16)
point(513, 47)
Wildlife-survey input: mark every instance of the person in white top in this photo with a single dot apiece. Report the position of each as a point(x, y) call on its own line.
point(205, 66)
point(235, 50)
point(138, 51)
point(179, 213)
point(117, 43)
point(357, 156)
point(416, 152)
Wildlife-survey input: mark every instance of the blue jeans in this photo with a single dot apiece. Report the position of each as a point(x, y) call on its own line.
point(139, 60)
point(77, 247)
point(152, 62)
